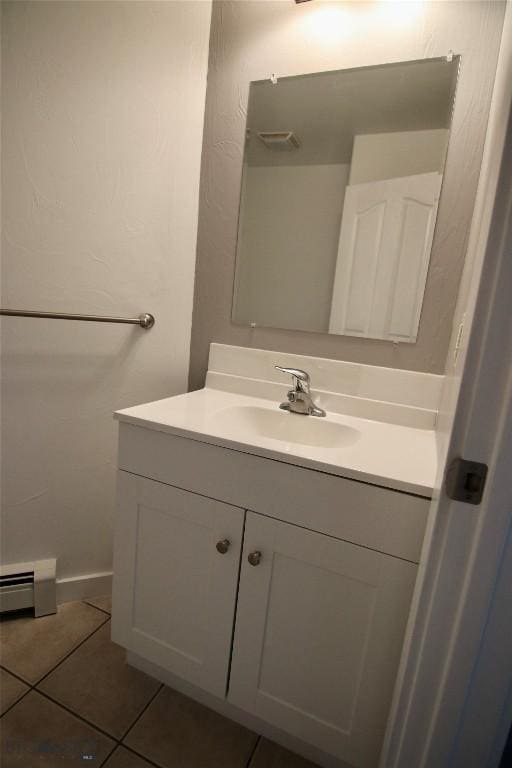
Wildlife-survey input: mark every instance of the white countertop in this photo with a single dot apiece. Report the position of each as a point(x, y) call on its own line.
point(389, 455)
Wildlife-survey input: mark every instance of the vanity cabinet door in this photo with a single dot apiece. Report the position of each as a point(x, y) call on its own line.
point(319, 630)
point(174, 592)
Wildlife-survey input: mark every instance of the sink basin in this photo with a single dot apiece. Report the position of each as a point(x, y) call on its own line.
point(313, 431)
point(394, 456)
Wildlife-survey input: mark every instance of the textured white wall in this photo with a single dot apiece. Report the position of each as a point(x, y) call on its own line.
point(103, 107)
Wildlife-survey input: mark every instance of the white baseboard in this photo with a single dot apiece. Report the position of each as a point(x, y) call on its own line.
point(81, 587)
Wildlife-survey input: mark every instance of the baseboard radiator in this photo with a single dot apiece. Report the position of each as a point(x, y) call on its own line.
point(29, 585)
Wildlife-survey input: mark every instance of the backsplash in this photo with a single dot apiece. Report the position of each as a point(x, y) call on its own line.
point(409, 398)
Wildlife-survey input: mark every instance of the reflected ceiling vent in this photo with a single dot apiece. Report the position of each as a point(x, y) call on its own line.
point(279, 140)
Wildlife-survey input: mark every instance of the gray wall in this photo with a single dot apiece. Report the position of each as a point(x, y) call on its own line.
point(251, 40)
point(288, 244)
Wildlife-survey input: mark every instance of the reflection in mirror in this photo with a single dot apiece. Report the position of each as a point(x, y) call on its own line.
point(341, 182)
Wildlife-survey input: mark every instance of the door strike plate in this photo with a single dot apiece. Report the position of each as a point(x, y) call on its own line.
point(465, 480)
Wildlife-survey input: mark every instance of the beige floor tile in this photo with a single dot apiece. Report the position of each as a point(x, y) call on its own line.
point(270, 755)
point(11, 689)
point(30, 647)
point(176, 732)
point(96, 683)
point(36, 732)
point(103, 602)
point(123, 758)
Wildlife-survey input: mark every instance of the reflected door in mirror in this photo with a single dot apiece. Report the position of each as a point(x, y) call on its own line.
point(383, 255)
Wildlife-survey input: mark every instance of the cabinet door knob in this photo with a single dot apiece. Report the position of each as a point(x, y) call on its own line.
point(223, 546)
point(254, 558)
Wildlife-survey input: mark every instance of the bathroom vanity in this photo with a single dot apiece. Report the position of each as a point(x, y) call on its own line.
point(265, 561)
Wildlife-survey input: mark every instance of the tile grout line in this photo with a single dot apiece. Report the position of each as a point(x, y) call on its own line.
point(28, 685)
point(139, 754)
point(14, 674)
point(75, 714)
point(108, 756)
point(251, 756)
point(118, 741)
point(141, 713)
point(33, 686)
point(16, 702)
point(103, 610)
point(71, 652)
point(125, 746)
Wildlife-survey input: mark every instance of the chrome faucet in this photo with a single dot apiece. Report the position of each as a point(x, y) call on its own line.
point(299, 398)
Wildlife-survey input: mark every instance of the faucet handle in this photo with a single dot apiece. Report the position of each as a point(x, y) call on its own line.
point(300, 377)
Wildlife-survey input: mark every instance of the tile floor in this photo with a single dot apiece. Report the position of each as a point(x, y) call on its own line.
point(67, 697)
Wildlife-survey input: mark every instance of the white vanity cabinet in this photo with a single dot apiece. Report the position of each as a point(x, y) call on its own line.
point(318, 634)
point(275, 588)
point(175, 592)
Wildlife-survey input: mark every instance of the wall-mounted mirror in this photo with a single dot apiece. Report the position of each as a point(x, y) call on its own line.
point(341, 182)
